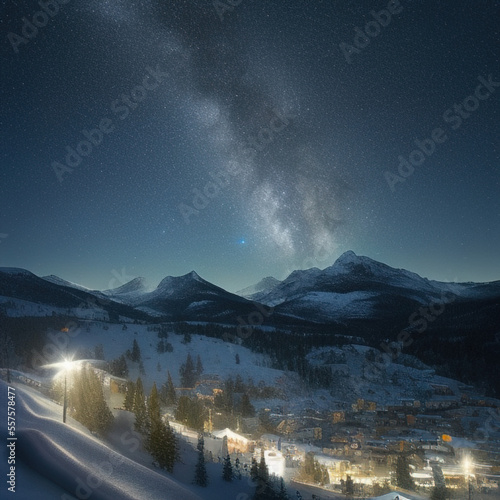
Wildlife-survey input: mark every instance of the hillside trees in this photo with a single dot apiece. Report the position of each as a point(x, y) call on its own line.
point(160, 440)
point(118, 367)
point(191, 412)
point(141, 423)
point(227, 469)
point(200, 475)
point(168, 394)
point(87, 401)
point(403, 477)
point(187, 372)
point(135, 353)
point(128, 403)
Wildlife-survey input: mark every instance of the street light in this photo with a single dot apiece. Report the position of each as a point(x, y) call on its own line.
point(66, 364)
point(63, 366)
point(467, 465)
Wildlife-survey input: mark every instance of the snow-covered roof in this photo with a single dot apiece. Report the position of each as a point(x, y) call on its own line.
point(230, 435)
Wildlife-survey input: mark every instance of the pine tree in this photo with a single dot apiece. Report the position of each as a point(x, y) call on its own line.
point(102, 418)
point(237, 359)
point(237, 468)
point(171, 396)
point(263, 490)
point(160, 442)
point(246, 408)
point(140, 410)
point(183, 409)
point(80, 398)
point(201, 477)
point(263, 469)
point(282, 495)
point(171, 448)
point(87, 400)
point(199, 366)
point(128, 403)
point(135, 355)
point(349, 486)
point(227, 469)
point(403, 477)
point(187, 372)
point(166, 448)
point(254, 470)
point(154, 419)
point(118, 367)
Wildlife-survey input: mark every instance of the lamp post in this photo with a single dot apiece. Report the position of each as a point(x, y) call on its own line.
point(65, 401)
point(66, 365)
point(467, 467)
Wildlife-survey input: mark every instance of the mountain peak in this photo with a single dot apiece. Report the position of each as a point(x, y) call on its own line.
point(194, 275)
point(347, 258)
point(169, 283)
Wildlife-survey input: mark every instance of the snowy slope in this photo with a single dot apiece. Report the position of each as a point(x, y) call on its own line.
point(218, 357)
point(59, 281)
point(76, 462)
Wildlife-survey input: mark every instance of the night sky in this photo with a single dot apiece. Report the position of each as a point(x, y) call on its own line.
point(249, 141)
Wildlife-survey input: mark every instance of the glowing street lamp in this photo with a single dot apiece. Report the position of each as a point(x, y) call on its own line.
point(63, 366)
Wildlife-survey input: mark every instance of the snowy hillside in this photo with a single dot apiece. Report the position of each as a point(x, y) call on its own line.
point(76, 463)
point(59, 281)
point(218, 357)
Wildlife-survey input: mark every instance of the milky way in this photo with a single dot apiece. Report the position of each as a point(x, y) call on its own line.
point(251, 124)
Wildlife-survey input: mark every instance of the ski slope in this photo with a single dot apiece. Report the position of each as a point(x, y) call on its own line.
point(73, 463)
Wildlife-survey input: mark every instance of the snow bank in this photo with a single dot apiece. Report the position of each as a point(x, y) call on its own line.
point(77, 462)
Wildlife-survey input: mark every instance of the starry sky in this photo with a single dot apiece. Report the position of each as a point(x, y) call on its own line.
point(247, 139)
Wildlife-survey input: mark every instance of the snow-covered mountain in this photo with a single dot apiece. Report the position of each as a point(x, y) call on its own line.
point(349, 274)
point(263, 287)
point(191, 297)
point(130, 291)
point(357, 294)
point(59, 281)
point(359, 288)
point(20, 289)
